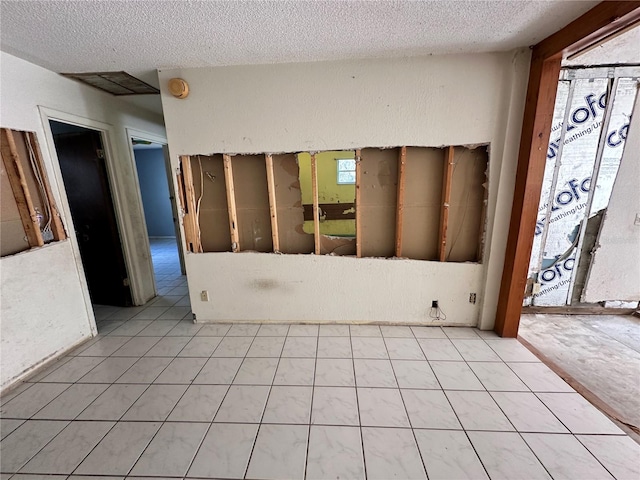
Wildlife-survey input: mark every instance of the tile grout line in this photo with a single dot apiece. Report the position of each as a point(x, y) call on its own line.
point(266, 402)
point(118, 421)
point(125, 412)
point(162, 422)
point(355, 388)
point(413, 433)
point(313, 390)
point(206, 432)
point(499, 408)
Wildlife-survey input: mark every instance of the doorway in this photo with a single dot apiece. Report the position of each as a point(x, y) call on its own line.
point(161, 215)
point(81, 155)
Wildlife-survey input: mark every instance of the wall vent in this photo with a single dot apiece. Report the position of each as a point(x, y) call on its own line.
point(115, 83)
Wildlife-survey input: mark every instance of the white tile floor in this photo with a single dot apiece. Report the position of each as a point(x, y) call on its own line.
point(154, 395)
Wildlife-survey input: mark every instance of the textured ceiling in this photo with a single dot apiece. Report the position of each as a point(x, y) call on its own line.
point(140, 36)
point(82, 36)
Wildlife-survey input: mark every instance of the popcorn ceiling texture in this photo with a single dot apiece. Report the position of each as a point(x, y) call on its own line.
point(139, 36)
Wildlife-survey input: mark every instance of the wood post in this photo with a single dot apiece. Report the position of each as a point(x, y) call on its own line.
point(192, 237)
point(20, 189)
point(231, 204)
point(446, 199)
point(316, 207)
point(402, 160)
point(358, 210)
point(271, 185)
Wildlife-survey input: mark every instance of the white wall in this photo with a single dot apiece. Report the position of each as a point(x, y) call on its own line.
point(44, 296)
point(426, 101)
point(43, 311)
point(614, 273)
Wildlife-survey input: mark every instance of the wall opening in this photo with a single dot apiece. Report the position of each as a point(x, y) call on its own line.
point(336, 195)
point(405, 202)
point(29, 216)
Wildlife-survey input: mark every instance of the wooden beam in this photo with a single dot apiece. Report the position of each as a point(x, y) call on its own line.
point(231, 204)
point(536, 129)
point(271, 185)
point(189, 206)
point(57, 227)
point(358, 204)
point(20, 189)
point(316, 207)
point(602, 21)
point(444, 206)
point(402, 160)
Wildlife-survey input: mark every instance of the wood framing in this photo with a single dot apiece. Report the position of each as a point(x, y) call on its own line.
point(358, 204)
point(20, 189)
point(446, 200)
point(402, 161)
point(602, 21)
point(271, 185)
point(56, 222)
point(316, 207)
point(191, 236)
point(231, 204)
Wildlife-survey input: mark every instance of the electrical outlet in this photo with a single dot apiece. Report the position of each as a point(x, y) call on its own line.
point(472, 298)
point(204, 295)
point(637, 220)
point(535, 289)
point(434, 304)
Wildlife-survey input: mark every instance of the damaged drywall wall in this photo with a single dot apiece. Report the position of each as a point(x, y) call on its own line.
point(370, 217)
point(423, 107)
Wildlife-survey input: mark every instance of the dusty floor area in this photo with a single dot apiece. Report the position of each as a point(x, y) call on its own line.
point(602, 352)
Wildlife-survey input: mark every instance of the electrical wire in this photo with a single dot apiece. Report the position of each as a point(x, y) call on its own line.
point(47, 233)
point(437, 314)
point(199, 200)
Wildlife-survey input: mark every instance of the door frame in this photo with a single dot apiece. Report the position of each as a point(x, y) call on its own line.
point(131, 133)
point(107, 133)
point(602, 22)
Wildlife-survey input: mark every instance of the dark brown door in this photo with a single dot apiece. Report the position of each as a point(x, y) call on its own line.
point(85, 179)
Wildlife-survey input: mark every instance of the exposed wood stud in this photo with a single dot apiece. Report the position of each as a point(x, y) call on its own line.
point(20, 189)
point(231, 204)
point(603, 20)
point(271, 185)
point(190, 225)
point(56, 222)
point(402, 160)
point(358, 203)
point(316, 207)
point(446, 199)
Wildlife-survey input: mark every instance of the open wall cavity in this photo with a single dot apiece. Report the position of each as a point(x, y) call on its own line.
point(406, 202)
point(29, 215)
